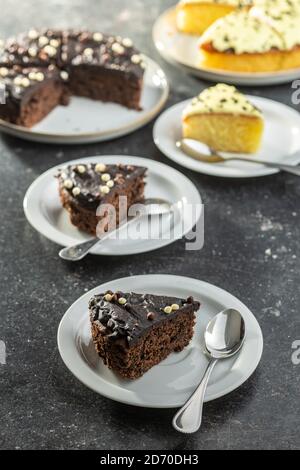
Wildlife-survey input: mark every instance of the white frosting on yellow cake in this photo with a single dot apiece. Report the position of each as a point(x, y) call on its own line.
point(242, 33)
point(234, 3)
point(277, 7)
point(283, 16)
point(221, 99)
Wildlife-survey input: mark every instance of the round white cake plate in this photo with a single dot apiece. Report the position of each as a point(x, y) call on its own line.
point(45, 213)
point(86, 121)
point(170, 383)
point(281, 141)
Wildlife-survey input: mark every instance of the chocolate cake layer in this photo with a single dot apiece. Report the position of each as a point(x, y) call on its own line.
point(102, 67)
point(133, 332)
point(93, 65)
point(31, 93)
point(84, 187)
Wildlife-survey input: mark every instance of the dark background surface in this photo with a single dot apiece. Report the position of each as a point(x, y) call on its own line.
point(41, 404)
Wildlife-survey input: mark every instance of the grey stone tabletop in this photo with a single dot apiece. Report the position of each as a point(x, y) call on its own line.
point(251, 249)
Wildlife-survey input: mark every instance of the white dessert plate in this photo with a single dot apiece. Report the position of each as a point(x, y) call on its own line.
point(182, 50)
point(280, 141)
point(45, 213)
point(86, 121)
point(171, 382)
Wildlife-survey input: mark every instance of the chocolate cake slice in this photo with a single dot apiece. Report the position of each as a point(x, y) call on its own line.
point(31, 93)
point(134, 332)
point(85, 187)
point(102, 67)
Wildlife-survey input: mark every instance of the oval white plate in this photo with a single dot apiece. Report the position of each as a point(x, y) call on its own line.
point(85, 120)
point(45, 213)
point(280, 141)
point(182, 50)
point(171, 382)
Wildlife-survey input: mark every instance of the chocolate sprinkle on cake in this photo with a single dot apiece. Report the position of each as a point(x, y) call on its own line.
point(134, 335)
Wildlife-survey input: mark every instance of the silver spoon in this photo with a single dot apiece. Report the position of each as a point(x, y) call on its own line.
point(152, 206)
point(224, 337)
point(214, 157)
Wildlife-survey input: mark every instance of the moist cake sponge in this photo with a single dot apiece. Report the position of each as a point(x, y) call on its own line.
point(241, 42)
point(284, 17)
point(225, 120)
point(42, 69)
point(84, 187)
point(264, 39)
point(134, 332)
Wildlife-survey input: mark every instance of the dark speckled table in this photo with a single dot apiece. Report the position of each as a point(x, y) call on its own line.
point(251, 249)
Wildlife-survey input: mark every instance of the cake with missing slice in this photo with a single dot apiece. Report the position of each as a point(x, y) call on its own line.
point(134, 332)
point(82, 63)
point(85, 187)
point(224, 119)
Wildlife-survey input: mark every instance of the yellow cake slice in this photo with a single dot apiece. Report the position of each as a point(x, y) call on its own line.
point(284, 17)
point(242, 42)
point(224, 119)
point(276, 7)
point(195, 16)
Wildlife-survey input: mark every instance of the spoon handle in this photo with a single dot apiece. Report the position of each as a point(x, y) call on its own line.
point(294, 170)
point(79, 251)
point(188, 419)
point(214, 157)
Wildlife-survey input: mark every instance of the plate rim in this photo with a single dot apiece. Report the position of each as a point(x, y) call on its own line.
point(76, 368)
point(244, 78)
point(20, 131)
point(264, 171)
point(44, 229)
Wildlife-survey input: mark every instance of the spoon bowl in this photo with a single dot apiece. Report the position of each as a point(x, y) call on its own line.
point(224, 336)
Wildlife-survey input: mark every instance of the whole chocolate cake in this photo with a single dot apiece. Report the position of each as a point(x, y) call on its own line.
point(133, 332)
point(42, 69)
point(83, 187)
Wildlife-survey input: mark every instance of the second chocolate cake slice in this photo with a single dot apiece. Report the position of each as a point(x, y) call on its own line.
point(133, 332)
point(84, 188)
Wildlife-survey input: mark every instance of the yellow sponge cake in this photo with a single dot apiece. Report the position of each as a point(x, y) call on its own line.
point(265, 38)
point(195, 16)
point(224, 119)
point(243, 43)
point(284, 17)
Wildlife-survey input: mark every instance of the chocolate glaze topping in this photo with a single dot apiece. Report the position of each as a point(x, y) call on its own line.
point(92, 184)
point(69, 48)
point(20, 82)
point(82, 48)
point(135, 317)
point(56, 53)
